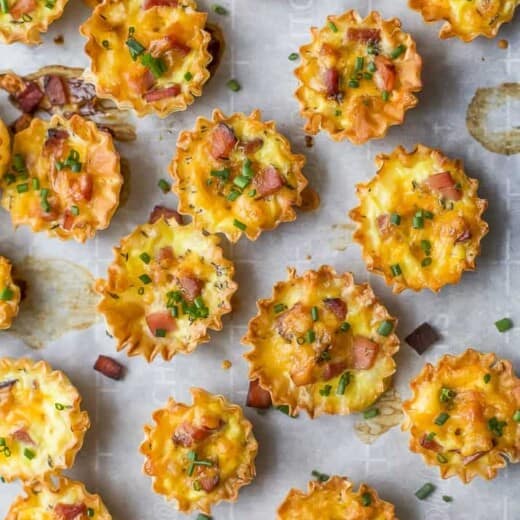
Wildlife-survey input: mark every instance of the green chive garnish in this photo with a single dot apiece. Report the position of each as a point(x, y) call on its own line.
point(219, 9)
point(353, 83)
point(426, 246)
point(310, 336)
point(145, 257)
point(106, 44)
point(252, 193)
point(9, 178)
point(314, 314)
point(284, 409)
point(385, 95)
point(441, 419)
point(396, 270)
point(425, 491)
point(241, 182)
point(446, 395)
point(6, 294)
point(487, 378)
point(325, 391)
point(74, 210)
point(370, 414)
point(366, 499)
point(441, 458)
point(360, 63)
point(188, 76)
point(279, 307)
point(400, 49)
point(156, 66)
point(59, 406)
point(221, 174)
point(332, 27)
point(247, 169)
point(233, 195)
point(22, 188)
point(344, 326)
point(164, 186)
point(516, 416)
point(385, 328)
point(145, 279)
point(160, 333)
point(35, 183)
point(504, 324)
point(239, 225)
point(90, 512)
point(496, 426)
point(395, 218)
point(174, 311)
point(135, 48)
point(29, 454)
point(371, 67)
point(343, 382)
point(233, 85)
point(418, 222)
point(293, 56)
point(425, 262)
point(319, 476)
point(3, 6)
point(447, 498)
point(202, 516)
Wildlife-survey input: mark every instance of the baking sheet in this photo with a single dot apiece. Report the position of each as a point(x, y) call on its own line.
point(260, 35)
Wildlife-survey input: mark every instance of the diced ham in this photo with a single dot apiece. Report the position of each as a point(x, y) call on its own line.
point(187, 434)
point(55, 90)
point(163, 212)
point(430, 444)
point(83, 188)
point(143, 82)
point(383, 223)
point(161, 320)
point(109, 367)
point(472, 458)
point(21, 123)
point(22, 436)
point(330, 79)
point(443, 183)
point(162, 93)
point(168, 43)
point(464, 236)
point(30, 97)
point(268, 181)
point(294, 322)
point(208, 484)
point(55, 141)
point(363, 34)
point(68, 220)
point(21, 7)
point(385, 74)
point(165, 256)
point(257, 397)
point(148, 4)
point(223, 141)
point(251, 146)
point(336, 306)
point(57, 133)
point(191, 286)
point(331, 370)
point(364, 353)
point(70, 511)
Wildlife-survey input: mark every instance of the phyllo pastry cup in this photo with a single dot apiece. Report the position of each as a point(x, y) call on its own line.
point(199, 454)
point(357, 77)
point(5, 148)
point(148, 55)
point(42, 426)
point(167, 285)
point(334, 499)
point(464, 415)
point(237, 175)
point(322, 343)
point(9, 294)
point(419, 220)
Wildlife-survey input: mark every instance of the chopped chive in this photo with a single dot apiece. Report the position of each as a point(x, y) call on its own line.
point(233, 195)
point(447, 498)
point(6, 294)
point(343, 382)
point(140, 291)
point(199, 302)
point(164, 186)
point(202, 516)
point(310, 336)
point(496, 426)
point(431, 435)
point(19, 163)
point(106, 44)
point(239, 225)
point(74, 210)
point(9, 178)
point(370, 414)
point(441, 458)
point(395, 218)
point(241, 182)
point(279, 307)
point(446, 394)
point(385, 328)
point(155, 65)
point(441, 418)
point(176, 296)
point(332, 27)
point(353, 83)
point(174, 311)
point(160, 333)
point(367, 75)
point(426, 246)
point(487, 378)
point(396, 270)
point(219, 9)
point(427, 214)
point(59, 406)
point(366, 499)
point(360, 63)
point(247, 170)
point(293, 56)
point(4, 7)
point(400, 49)
point(197, 486)
point(344, 326)
point(75, 167)
point(145, 279)
point(90, 512)
point(145, 257)
point(233, 85)
point(29, 454)
point(134, 47)
point(504, 324)
point(325, 391)
point(36, 183)
point(221, 174)
point(22, 188)
point(418, 222)
point(284, 409)
point(385, 95)
point(252, 193)
point(188, 76)
point(371, 67)
point(319, 476)
point(516, 416)
point(425, 491)
point(325, 356)
point(314, 313)
point(425, 262)
point(372, 49)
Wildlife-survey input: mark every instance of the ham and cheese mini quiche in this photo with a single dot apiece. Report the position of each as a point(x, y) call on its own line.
point(335, 499)
point(322, 343)
point(357, 77)
point(237, 175)
point(464, 415)
point(9, 294)
point(201, 454)
point(58, 499)
point(149, 55)
point(42, 426)
point(24, 20)
point(64, 178)
point(419, 220)
point(167, 285)
point(467, 19)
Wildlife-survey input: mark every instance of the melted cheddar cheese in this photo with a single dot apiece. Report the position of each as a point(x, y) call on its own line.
point(5, 148)
point(57, 500)
point(419, 219)
point(64, 178)
point(167, 285)
point(335, 499)
point(9, 295)
point(250, 185)
point(467, 19)
point(201, 454)
point(321, 343)
point(357, 77)
point(24, 20)
point(147, 56)
point(42, 426)
point(464, 415)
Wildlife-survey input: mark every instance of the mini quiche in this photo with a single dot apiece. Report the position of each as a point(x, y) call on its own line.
point(201, 454)
point(464, 415)
point(42, 426)
point(335, 499)
point(357, 77)
point(237, 175)
point(64, 178)
point(9, 295)
point(61, 499)
point(467, 19)
point(24, 20)
point(419, 220)
point(167, 285)
point(149, 55)
point(322, 343)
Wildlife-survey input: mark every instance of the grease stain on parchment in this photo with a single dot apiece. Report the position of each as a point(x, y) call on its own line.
point(342, 236)
point(58, 297)
point(390, 407)
point(310, 199)
point(491, 118)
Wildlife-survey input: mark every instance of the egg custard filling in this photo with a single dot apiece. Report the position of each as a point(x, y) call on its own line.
point(322, 343)
point(9, 295)
point(357, 77)
point(419, 220)
point(199, 454)
point(42, 426)
point(464, 415)
point(237, 175)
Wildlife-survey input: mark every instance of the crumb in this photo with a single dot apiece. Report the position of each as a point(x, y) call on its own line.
point(503, 44)
point(226, 364)
point(309, 141)
point(59, 40)
point(308, 257)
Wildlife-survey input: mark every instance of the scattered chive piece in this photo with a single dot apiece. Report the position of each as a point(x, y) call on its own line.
point(106, 44)
point(400, 49)
point(29, 454)
point(441, 418)
point(366, 499)
point(338, 112)
point(372, 49)
point(279, 307)
point(134, 47)
point(241, 182)
point(90, 512)
point(284, 409)
point(360, 63)
point(155, 65)
point(447, 498)
point(427, 214)
point(145, 257)
point(247, 170)
point(344, 380)
point(239, 225)
point(446, 395)
point(431, 435)
point(9, 178)
point(385, 328)
point(164, 186)
point(314, 314)
point(219, 9)
point(59, 406)
point(325, 391)
point(353, 83)
point(160, 333)
point(293, 56)
point(504, 324)
point(425, 491)
point(426, 246)
point(174, 311)
point(188, 76)
point(252, 193)
point(496, 426)
point(18, 163)
point(233, 195)
point(36, 183)
point(370, 414)
point(197, 486)
point(516, 416)
point(395, 218)
point(368, 75)
point(199, 302)
point(418, 222)
point(371, 67)
point(176, 296)
point(6, 294)
point(221, 174)
point(487, 378)
point(425, 262)
point(3, 6)
point(202, 516)
point(22, 188)
point(145, 279)
point(344, 326)
point(319, 476)
point(396, 270)
point(233, 85)
point(385, 95)
point(441, 458)
point(74, 210)
point(310, 336)
point(332, 27)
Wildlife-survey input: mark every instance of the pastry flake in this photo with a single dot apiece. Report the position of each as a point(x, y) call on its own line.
point(419, 220)
point(64, 178)
point(357, 77)
point(5, 148)
point(334, 499)
point(9, 295)
point(61, 499)
point(237, 175)
point(464, 415)
point(322, 343)
point(167, 285)
point(467, 19)
point(42, 425)
point(201, 454)
point(148, 55)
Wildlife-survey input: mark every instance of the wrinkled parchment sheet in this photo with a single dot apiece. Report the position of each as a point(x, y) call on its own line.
point(260, 35)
